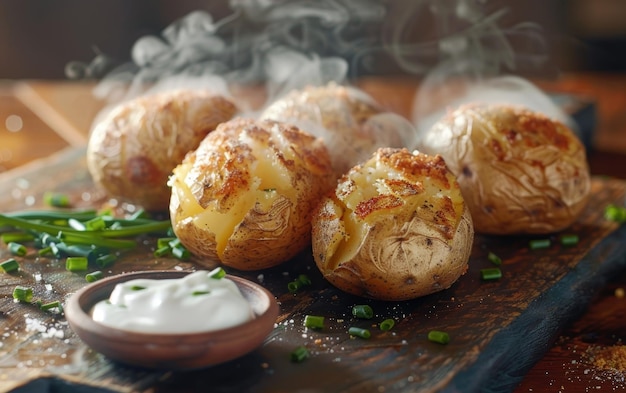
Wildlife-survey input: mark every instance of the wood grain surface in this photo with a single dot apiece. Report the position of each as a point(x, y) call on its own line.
point(498, 329)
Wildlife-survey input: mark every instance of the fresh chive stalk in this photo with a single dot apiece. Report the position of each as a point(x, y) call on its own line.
point(363, 311)
point(17, 237)
point(23, 294)
point(76, 264)
point(359, 332)
point(49, 306)
point(439, 337)
point(387, 324)
point(10, 265)
point(299, 354)
point(315, 322)
point(162, 251)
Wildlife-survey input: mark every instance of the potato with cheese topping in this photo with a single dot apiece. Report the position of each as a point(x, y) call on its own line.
point(245, 197)
point(396, 228)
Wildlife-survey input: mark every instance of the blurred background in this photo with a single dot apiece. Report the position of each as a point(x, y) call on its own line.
point(39, 37)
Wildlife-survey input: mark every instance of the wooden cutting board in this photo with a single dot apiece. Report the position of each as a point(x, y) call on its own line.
point(497, 329)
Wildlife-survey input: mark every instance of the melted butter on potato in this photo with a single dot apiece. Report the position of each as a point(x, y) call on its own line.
point(520, 171)
point(395, 228)
point(246, 195)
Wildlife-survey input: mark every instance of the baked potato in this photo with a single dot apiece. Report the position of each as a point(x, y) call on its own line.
point(245, 197)
point(520, 171)
point(396, 228)
point(133, 148)
point(349, 121)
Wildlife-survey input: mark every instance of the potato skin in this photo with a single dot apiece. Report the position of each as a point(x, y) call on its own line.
point(350, 122)
point(520, 172)
point(245, 197)
point(396, 228)
point(133, 149)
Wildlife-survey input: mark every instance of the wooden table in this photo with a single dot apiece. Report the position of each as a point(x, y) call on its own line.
point(56, 117)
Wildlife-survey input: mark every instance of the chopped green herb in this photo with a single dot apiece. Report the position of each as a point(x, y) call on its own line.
point(294, 286)
point(105, 260)
point(387, 324)
point(569, 240)
point(23, 294)
point(199, 293)
point(55, 199)
point(537, 244)
point(299, 354)
point(490, 274)
point(439, 337)
point(217, 273)
point(314, 322)
point(49, 306)
point(76, 264)
point(137, 288)
point(10, 265)
point(17, 249)
point(94, 276)
point(359, 332)
point(363, 311)
point(304, 279)
point(17, 237)
point(493, 258)
point(615, 213)
point(162, 251)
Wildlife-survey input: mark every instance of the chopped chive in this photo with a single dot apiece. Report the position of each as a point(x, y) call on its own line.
point(105, 260)
point(9, 237)
point(615, 213)
point(569, 240)
point(17, 249)
point(10, 265)
point(137, 288)
point(94, 276)
point(55, 199)
point(294, 286)
point(164, 242)
point(75, 264)
point(299, 354)
point(181, 252)
point(314, 322)
point(439, 337)
point(23, 294)
point(162, 251)
point(493, 258)
point(45, 251)
point(387, 324)
point(304, 279)
point(218, 273)
point(51, 305)
point(537, 244)
point(492, 273)
point(363, 311)
point(359, 332)
point(175, 242)
point(200, 293)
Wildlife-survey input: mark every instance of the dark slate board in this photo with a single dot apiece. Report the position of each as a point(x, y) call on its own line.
point(498, 329)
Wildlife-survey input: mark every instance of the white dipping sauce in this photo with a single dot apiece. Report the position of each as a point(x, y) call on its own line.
point(191, 304)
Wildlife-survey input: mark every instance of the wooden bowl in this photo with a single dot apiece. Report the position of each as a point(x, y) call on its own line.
point(170, 351)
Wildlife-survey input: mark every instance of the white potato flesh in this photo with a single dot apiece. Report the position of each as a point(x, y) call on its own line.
point(245, 196)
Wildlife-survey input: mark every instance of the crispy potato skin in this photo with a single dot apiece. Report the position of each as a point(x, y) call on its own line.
point(350, 122)
point(520, 172)
point(245, 197)
point(396, 228)
point(133, 149)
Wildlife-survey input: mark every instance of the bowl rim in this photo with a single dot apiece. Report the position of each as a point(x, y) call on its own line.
point(77, 309)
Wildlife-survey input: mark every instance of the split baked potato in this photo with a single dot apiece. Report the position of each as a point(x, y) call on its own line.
point(245, 197)
point(134, 147)
point(396, 228)
point(349, 121)
point(520, 171)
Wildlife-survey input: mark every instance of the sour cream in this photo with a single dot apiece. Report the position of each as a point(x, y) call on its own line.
point(191, 304)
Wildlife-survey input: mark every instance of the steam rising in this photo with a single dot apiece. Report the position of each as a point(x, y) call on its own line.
point(457, 49)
